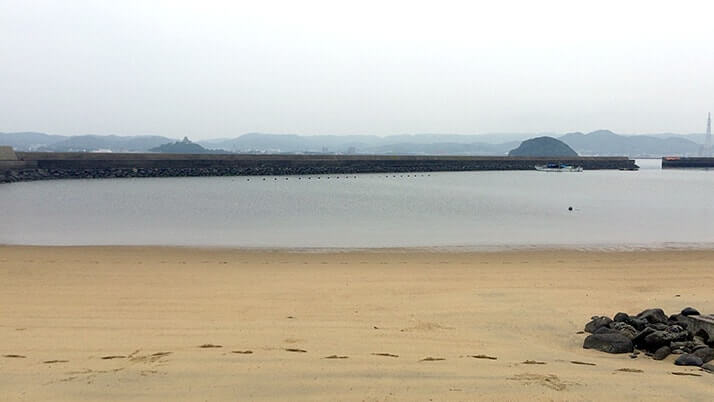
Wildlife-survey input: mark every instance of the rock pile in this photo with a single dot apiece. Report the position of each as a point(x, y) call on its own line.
point(653, 333)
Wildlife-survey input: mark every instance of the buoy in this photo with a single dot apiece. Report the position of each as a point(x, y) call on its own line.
point(570, 208)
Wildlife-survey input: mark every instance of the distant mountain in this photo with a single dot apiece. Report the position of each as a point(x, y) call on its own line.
point(397, 144)
point(543, 146)
point(442, 148)
point(601, 142)
point(113, 143)
point(185, 147)
point(607, 143)
point(29, 141)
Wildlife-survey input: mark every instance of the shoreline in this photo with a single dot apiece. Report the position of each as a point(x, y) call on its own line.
point(592, 248)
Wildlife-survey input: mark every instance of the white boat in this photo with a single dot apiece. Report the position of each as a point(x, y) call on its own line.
point(555, 167)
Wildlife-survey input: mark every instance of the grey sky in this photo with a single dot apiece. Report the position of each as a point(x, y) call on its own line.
point(211, 69)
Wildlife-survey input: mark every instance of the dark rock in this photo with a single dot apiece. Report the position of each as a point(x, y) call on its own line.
point(688, 360)
point(658, 326)
point(624, 329)
point(708, 367)
point(683, 345)
point(678, 319)
point(621, 317)
point(678, 352)
point(609, 342)
point(606, 330)
point(699, 340)
point(706, 354)
point(658, 339)
point(662, 353)
point(653, 316)
point(689, 311)
point(638, 323)
point(639, 339)
point(596, 323)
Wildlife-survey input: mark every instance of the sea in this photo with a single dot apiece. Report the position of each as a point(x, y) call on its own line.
point(649, 208)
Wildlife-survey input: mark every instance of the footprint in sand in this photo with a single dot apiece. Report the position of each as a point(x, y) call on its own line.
point(151, 358)
point(549, 380)
point(532, 362)
point(113, 357)
point(385, 354)
point(12, 356)
point(55, 361)
point(583, 363)
point(242, 352)
point(487, 357)
point(629, 370)
point(683, 373)
point(336, 357)
point(425, 326)
point(210, 346)
point(432, 359)
point(296, 350)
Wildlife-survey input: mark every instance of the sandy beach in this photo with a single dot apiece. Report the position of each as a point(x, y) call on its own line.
point(152, 323)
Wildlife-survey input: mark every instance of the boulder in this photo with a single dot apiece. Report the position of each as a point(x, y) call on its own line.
point(658, 326)
point(662, 353)
point(639, 339)
point(683, 345)
point(621, 317)
point(705, 353)
point(678, 319)
point(638, 323)
point(653, 316)
point(688, 360)
point(708, 367)
point(609, 343)
point(657, 339)
point(597, 323)
point(624, 329)
point(689, 311)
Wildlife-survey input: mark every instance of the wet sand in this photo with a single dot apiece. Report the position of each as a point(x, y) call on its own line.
point(152, 323)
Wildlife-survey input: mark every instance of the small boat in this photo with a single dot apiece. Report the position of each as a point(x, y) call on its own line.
point(555, 167)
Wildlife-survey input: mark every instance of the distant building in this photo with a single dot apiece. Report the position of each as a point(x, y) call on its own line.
point(706, 149)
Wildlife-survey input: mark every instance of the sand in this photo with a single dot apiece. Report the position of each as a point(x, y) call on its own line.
point(136, 323)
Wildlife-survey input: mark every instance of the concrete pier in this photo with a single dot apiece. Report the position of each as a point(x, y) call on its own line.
point(674, 162)
point(698, 324)
point(50, 165)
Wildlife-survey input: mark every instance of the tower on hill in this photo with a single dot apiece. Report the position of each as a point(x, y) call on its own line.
point(706, 149)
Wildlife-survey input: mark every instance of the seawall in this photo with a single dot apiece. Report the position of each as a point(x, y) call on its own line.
point(50, 165)
point(688, 162)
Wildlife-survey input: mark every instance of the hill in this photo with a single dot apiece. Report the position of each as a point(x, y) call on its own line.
point(543, 146)
point(607, 143)
point(29, 141)
point(185, 147)
point(602, 142)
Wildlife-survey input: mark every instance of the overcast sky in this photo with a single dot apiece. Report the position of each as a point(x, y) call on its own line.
point(211, 68)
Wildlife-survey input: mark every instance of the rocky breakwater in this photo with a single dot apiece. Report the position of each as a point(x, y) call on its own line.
point(76, 165)
point(687, 335)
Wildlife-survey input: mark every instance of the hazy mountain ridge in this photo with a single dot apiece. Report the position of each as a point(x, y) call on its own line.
point(601, 142)
point(607, 143)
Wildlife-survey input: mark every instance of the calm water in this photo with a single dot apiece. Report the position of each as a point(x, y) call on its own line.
point(652, 208)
